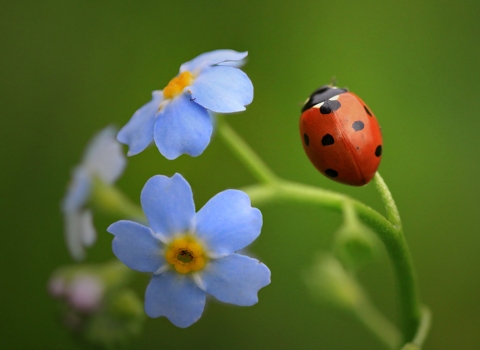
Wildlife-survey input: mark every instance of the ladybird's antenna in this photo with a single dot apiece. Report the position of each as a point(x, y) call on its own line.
point(333, 81)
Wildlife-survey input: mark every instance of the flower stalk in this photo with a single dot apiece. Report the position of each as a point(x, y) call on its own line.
point(109, 199)
point(244, 153)
point(274, 189)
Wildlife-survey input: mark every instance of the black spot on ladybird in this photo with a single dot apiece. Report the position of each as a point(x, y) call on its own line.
point(306, 139)
point(327, 140)
point(358, 125)
point(368, 111)
point(329, 106)
point(378, 151)
point(331, 172)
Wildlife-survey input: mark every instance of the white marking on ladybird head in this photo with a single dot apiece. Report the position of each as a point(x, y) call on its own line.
point(318, 105)
point(334, 98)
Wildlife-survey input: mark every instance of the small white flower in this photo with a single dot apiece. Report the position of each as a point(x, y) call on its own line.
point(104, 160)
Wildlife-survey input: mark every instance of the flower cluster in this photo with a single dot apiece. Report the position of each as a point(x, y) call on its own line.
point(190, 254)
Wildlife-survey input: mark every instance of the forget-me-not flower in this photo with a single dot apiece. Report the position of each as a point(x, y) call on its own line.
point(103, 160)
point(191, 254)
point(178, 117)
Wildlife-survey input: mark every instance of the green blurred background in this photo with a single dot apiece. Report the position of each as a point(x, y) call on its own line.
point(69, 68)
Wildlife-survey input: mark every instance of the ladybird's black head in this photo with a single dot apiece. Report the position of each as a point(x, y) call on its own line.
point(322, 94)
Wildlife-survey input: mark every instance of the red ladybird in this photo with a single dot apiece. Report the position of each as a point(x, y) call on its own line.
point(341, 136)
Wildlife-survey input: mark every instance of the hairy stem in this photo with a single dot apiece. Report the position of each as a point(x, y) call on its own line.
point(271, 188)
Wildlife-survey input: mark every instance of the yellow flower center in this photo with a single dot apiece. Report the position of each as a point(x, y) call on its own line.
point(185, 254)
point(177, 84)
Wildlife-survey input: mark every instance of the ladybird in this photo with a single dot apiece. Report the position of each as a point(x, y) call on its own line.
point(341, 135)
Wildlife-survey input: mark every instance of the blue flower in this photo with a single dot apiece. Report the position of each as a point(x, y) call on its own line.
point(103, 160)
point(191, 254)
point(178, 118)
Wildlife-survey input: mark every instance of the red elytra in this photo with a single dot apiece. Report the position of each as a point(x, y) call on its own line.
point(341, 136)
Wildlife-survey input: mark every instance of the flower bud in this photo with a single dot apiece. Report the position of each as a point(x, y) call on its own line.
point(96, 304)
point(332, 284)
point(121, 319)
point(57, 287)
point(355, 244)
point(85, 293)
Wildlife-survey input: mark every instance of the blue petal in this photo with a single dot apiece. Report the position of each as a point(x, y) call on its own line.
point(104, 156)
point(211, 58)
point(168, 205)
point(138, 132)
point(235, 64)
point(222, 89)
point(235, 279)
point(182, 127)
point(79, 232)
point(78, 191)
point(136, 246)
point(228, 223)
point(176, 297)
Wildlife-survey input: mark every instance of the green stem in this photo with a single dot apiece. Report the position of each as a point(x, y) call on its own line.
point(350, 217)
point(424, 327)
point(409, 301)
point(110, 200)
point(392, 212)
point(395, 244)
point(408, 291)
point(378, 324)
point(389, 231)
point(422, 331)
point(241, 149)
point(291, 192)
point(333, 284)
